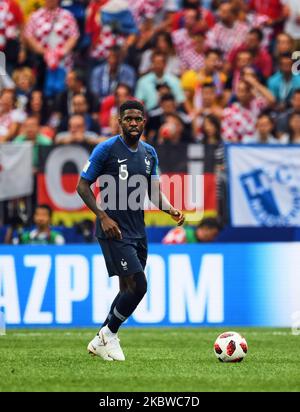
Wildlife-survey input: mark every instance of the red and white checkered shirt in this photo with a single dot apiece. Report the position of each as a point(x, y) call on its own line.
point(142, 9)
point(52, 28)
point(240, 122)
point(102, 37)
point(227, 38)
point(11, 17)
point(104, 41)
point(189, 58)
point(259, 21)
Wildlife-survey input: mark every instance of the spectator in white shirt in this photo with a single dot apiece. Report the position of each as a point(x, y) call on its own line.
point(264, 131)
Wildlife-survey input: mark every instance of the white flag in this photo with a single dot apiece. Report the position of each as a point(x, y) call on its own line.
point(264, 185)
point(16, 178)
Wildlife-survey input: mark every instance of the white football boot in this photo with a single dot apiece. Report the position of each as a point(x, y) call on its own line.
point(112, 344)
point(96, 347)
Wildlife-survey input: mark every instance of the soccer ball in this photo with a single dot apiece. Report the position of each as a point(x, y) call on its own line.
point(230, 347)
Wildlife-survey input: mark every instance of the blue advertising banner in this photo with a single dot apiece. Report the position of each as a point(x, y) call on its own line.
point(189, 285)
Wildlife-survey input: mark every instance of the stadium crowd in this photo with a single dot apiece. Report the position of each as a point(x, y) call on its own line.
point(208, 72)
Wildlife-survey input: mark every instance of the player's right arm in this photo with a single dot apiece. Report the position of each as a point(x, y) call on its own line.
point(109, 226)
point(91, 171)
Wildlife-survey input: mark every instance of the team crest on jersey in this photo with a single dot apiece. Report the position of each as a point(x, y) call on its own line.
point(124, 264)
point(273, 193)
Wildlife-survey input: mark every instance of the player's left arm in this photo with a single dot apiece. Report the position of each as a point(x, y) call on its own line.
point(161, 202)
point(158, 198)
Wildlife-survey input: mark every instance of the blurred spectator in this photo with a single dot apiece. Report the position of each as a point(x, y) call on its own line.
point(264, 131)
point(283, 83)
point(211, 73)
point(212, 140)
point(162, 90)
point(52, 33)
point(283, 119)
point(205, 20)
point(75, 84)
point(106, 77)
point(273, 9)
point(244, 59)
point(11, 27)
point(171, 131)
point(211, 130)
point(146, 85)
point(24, 80)
point(80, 105)
point(42, 234)
point(31, 132)
point(10, 117)
point(77, 132)
point(292, 22)
point(142, 43)
point(262, 59)
point(293, 136)
point(284, 45)
point(189, 42)
point(229, 33)
point(206, 231)
point(254, 20)
point(109, 33)
point(37, 106)
point(157, 117)
point(110, 105)
point(161, 43)
point(239, 120)
point(206, 104)
point(144, 9)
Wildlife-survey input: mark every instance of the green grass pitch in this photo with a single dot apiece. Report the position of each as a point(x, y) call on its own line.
point(168, 359)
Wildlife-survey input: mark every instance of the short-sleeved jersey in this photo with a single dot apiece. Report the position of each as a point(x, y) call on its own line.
point(125, 176)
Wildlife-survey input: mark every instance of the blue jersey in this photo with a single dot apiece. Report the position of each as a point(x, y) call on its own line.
point(121, 170)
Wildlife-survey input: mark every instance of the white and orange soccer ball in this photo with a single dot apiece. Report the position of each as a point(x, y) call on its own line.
point(230, 347)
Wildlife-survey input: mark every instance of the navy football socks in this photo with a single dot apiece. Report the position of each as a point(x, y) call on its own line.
point(127, 302)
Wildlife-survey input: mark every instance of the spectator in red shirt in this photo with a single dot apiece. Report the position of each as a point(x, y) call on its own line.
point(270, 8)
point(110, 105)
point(273, 10)
point(262, 59)
point(243, 59)
point(205, 21)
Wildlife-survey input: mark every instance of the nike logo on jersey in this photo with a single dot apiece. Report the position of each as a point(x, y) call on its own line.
point(121, 161)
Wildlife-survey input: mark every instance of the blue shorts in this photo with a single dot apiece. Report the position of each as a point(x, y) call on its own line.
point(124, 257)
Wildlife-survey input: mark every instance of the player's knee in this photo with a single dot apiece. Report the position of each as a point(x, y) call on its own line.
point(140, 284)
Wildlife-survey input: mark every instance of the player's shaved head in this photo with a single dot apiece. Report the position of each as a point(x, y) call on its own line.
point(131, 105)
